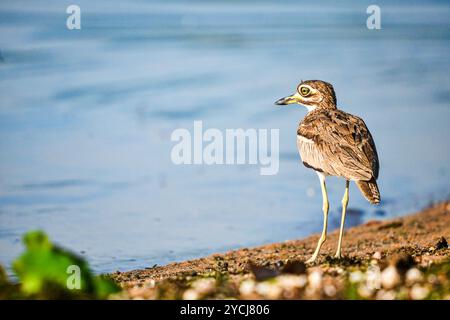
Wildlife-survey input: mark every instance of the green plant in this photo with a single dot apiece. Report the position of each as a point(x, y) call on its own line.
point(46, 270)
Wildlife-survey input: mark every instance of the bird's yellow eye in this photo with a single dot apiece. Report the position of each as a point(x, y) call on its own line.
point(304, 91)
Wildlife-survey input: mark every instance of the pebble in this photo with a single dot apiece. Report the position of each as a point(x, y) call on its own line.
point(268, 290)
point(204, 286)
point(377, 255)
point(289, 282)
point(191, 294)
point(413, 276)
point(364, 291)
point(373, 278)
point(329, 290)
point(315, 279)
point(385, 295)
point(418, 292)
point(150, 283)
point(390, 277)
point(356, 276)
point(247, 287)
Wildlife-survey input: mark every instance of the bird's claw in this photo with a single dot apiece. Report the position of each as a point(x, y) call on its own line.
point(310, 260)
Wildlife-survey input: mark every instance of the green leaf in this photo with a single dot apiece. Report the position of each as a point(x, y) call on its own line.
point(44, 265)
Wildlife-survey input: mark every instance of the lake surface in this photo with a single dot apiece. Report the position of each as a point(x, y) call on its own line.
point(86, 118)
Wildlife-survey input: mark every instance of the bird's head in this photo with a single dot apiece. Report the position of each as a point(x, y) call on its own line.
point(312, 94)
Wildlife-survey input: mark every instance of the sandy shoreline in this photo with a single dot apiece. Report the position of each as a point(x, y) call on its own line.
point(418, 235)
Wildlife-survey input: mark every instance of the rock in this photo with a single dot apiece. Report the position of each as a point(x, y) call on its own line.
point(262, 273)
point(441, 244)
point(385, 295)
point(365, 291)
point(413, 276)
point(294, 267)
point(191, 294)
point(329, 290)
point(377, 255)
point(418, 292)
point(315, 279)
point(390, 278)
point(356, 277)
point(204, 286)
point(150, 283)
point(247, 287)
point(268, 290)
point(290, 282)
point(373, 278)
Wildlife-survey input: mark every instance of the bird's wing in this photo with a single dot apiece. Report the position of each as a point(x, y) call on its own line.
point(344, 142)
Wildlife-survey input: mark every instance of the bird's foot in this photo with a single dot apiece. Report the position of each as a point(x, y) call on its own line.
point(338, 255)
point(311, 260)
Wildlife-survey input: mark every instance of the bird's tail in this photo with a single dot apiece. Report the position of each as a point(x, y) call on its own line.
point(370, 191)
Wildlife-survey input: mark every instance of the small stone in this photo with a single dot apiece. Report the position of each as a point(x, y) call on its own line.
point(138, 293)
point(373, 277)
point(386, 295)
point(268, 290)
point(377, 255)
point(413, 276)
point(294, 267)
point(262, 273)
point(356, 276)
point(247, 287)
point(340, 270)
point(151, 283)
point(441, 244)
point(390, 277)
point(364, 291)
point(418, 292)
point(191, 294)
point(204, 286)
point(315, 279)
point(329, 290)
point(290, 282)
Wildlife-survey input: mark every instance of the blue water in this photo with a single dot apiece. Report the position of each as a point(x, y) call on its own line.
point(86, 117)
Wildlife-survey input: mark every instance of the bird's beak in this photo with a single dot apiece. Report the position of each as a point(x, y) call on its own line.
point(295, 98)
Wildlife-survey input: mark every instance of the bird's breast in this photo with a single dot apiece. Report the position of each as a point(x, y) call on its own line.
point(302, 139)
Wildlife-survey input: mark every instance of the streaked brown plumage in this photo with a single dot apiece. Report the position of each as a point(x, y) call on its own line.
point(334, 143)
point(339, 144)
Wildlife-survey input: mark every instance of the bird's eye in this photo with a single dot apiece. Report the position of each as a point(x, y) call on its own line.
point(304, 91)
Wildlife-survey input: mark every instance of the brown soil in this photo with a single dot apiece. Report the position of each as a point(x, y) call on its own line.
point(417, 235)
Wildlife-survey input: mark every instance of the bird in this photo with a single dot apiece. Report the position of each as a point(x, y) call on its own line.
point(333, 142)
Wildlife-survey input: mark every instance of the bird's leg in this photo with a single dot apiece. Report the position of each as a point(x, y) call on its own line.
point(344, 210)
point(325, 207)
